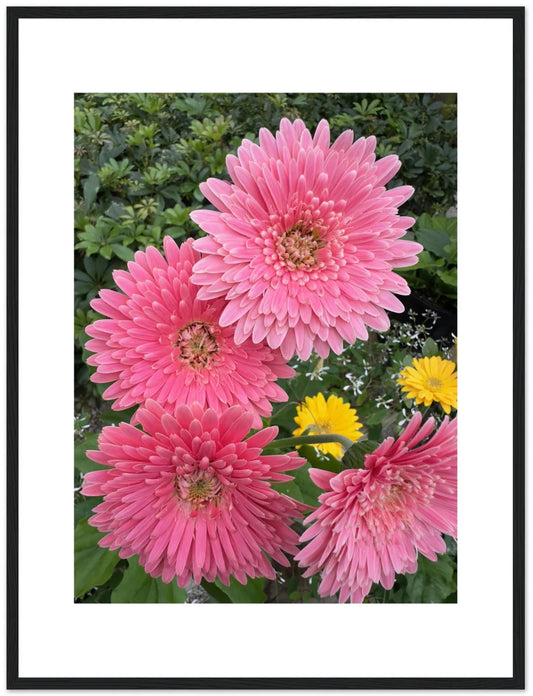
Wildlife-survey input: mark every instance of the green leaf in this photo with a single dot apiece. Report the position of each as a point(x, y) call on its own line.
point(303, 488)
point(84, 506)
point(251, 593)
point(430, 348)
point(123, 252)
point(433, 580)
point(438, 235)
point(451, 545)
point(425, 261)
point(319, 461)
point(112, 417)
point(433, 240)
point(217, 596)
point(93, 565)
point(115, 211)
point(90, 189)
point(354, 458)
point(376, 417)
point(102, 594)
point(309, 491)
point(106, 251)
point(82, 463)
point(449, 277)
point(289, 488)
point(138, 587)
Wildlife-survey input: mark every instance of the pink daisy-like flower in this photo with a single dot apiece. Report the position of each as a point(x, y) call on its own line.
point(162, 342)
point(372, 522)
point(191, 497)
point(305, 240)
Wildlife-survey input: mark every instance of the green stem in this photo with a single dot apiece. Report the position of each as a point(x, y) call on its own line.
point(425, 411)
point(311, 440)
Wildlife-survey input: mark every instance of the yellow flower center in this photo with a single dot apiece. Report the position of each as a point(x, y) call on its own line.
point(199, 488)
point(434, 383)
point(320, 429)
point(297, 247)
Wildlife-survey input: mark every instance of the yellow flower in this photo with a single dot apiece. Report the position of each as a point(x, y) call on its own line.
point(316, 416)
point(431, 379)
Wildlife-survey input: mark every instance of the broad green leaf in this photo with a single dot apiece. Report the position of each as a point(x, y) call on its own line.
point(138, 587)
point(123, 252)
point(376, 417)
point(216, 595)
point(451, 545)
point(433, 580)
point(425, 261)
point(115, 211)
point(93, 565)
point(82, 463)
point(87, 167)
point(283, 414)
point(106, 251)
point(430, 348)
point(90, 189)
point(84, 506)
point(354, 458)
point(449, 277)
point(433, 240)
point(438, 234)
point(289, 488)
point(309, 491)
point(102, 593)
point(112, 417)
point(251, 593)
point(319, 461)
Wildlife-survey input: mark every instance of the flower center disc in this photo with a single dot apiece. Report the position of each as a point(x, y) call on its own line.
point(199, 488)
point(319, 429)
point(197, 344)
point(434, 383)
point(298, 247)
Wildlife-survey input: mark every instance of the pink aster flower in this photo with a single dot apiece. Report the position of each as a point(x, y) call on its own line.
point(304, 240)
point(372, 522)
point(191, 497)
point(162, 342)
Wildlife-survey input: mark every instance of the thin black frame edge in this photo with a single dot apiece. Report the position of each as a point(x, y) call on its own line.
point(12, 626)
point(292, 683)
point(265, 11)
point(517, 681)
point(519, 346)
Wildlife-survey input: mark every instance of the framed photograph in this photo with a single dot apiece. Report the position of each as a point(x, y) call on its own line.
point(295, 252)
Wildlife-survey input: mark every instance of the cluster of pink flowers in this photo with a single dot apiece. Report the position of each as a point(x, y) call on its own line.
point(299, 256)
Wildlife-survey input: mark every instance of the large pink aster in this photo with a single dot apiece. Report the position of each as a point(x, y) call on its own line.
point(162, 342)
point(305, 241)
point(191, 497)
point(372, 522)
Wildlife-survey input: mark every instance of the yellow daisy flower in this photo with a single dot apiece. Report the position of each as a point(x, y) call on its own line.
point(431, 379)
point(316, 416)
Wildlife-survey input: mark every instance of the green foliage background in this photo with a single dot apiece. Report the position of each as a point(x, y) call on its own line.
point(139, 160)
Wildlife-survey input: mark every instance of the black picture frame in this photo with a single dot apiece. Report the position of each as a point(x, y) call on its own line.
point(14, 681)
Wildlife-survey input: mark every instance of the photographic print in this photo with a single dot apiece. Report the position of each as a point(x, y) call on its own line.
point(248, 378)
